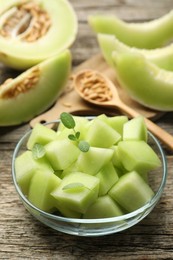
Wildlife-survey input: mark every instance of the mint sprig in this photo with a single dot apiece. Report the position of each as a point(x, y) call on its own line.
point(69, 122)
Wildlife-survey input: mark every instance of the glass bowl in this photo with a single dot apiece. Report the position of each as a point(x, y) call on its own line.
point(96, 227)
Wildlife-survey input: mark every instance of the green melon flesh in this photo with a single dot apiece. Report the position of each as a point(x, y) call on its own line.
point(40, 135)
point(116, 160)
point(62, 33)
point(116, 122)
point(53, 75)
point(131, 191)
point(108, 177)
point(101, 134)
point(138, 155)
point(25, 168)
point(77, 199)
point(135, 129)
point(61, 153)
point(66, 212)
point(42, 184)
point(92, 161)
point(103, 207)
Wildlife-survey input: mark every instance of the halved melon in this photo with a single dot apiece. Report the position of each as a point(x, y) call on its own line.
point(32, 31)
point(34, 91)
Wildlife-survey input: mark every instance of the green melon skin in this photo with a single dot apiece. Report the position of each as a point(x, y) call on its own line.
point(148, 35)
point(131, 191)
point(144, 81)
point(26, 167)
point(162, 57)
point(19, 54)
point(41, 185)
point(54, 73)
point(103, 207)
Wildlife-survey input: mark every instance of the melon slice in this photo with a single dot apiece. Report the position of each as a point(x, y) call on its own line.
point(34, 91)
point(131, 191)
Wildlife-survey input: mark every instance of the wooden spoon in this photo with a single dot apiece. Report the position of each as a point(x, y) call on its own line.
point(97, 89)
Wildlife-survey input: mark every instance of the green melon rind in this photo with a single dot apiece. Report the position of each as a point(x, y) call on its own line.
point(22, 55)
point(54, 73)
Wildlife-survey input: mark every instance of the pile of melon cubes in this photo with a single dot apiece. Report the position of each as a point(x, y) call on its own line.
point(110, 179)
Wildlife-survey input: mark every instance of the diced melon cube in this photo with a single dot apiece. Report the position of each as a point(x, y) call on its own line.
point(108, 177)
point(25, 168)
point(138, 155)
point(61, 153)
point(41, 135)
point(92, 161)
point(100, 134)
point(42, 184)
point(68, 213)
point(135, 129)
point(117, 123)
point(103, 207)
point(74, 197)
point(131, 191)
point(115, 158)
point(72, 168)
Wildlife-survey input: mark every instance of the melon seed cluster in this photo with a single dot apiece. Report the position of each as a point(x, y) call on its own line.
point(27, 21)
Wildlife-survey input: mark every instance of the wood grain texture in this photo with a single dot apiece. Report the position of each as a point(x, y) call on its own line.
point(23, 237)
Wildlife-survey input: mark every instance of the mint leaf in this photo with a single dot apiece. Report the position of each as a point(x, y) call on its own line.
point(38, 151)
point(77, 134)
point(73, 186)
point(84, 146)
point(72, 137)
point(67, 120)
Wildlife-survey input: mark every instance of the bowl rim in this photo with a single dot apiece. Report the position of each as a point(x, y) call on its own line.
point(149, 204)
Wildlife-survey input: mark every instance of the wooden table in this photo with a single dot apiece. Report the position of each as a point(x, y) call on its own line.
point(23, 237)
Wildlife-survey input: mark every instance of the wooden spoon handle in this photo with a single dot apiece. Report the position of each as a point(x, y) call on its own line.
point(162, 135)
